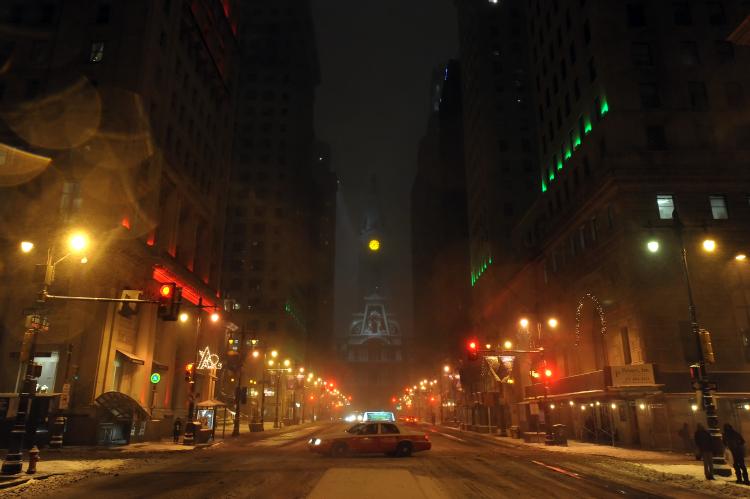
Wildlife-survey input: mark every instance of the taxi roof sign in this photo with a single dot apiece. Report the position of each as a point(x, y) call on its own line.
point(378, 416)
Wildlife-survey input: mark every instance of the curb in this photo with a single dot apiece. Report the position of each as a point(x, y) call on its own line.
point(14, 481)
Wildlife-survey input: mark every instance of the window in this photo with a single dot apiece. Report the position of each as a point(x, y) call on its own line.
point(97, 52)
point(724, 50)
point(689, 53)
point(649, 96)
point(636, 15)
point(719, 207)
point(388, 428)
point(102, 15)
point(682, 14)
point(665, 203)
point(641, 53)
point(734, 94)
point(698, 95)
point(586, 32)
point(716, 14)
point(655, 138)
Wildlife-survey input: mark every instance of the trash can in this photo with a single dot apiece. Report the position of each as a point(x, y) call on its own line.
point(203, 435)
point(560, 434)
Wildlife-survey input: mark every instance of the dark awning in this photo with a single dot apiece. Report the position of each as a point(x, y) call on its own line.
point(122, 406)
point(159, 366)
point(132, 358)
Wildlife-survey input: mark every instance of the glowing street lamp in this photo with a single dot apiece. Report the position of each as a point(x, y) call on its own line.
point(274, 353)
point(524, 323)
point(215, 317)
point(27, 246)
point(552, 322)
point(653, 246)
point(508, 344)
point(709, 245)
point(78, 241)
point(184, 317)
point(446, 369)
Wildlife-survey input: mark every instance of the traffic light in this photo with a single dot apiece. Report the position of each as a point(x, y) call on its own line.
point(547, 373)
point(170, 298)
point(472, 352)
point(189, 371)
point(707, 347)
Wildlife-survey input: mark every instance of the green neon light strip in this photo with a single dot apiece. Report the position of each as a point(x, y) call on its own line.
point(605, 107)
point(576, 142)
point(544, 186)
point(587, 127)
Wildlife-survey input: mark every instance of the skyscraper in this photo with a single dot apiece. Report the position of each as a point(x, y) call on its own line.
point(440, 245)
point(272, 234)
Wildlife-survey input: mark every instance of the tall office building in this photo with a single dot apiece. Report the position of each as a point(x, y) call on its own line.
point(500, 150)
point(117, 120)
point(643, 146)
point(275, 203)
point(440, 244)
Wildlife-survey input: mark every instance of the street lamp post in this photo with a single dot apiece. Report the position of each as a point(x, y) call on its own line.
point(36, 322)
point(549, 437)
point(712, 418)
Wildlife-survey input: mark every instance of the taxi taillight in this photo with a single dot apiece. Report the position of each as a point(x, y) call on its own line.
point(426, 437)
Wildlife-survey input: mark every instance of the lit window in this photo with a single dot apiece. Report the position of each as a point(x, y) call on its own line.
point(719, 207)
point(665, 202)
point(97, 52)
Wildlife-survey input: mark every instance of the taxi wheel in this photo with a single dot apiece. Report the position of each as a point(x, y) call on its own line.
point(403, 449)
point(339, 449)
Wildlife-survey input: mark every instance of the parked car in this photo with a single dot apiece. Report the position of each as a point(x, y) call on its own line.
point(371, 438)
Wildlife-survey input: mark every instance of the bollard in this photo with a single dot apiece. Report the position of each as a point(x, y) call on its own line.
point(33, 459)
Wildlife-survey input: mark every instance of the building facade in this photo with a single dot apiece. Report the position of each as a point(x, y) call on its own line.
point(640, 121)
point(440, 250)
point(117, 121)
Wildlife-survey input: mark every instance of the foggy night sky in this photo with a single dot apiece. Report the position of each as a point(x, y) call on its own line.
point(372, 106)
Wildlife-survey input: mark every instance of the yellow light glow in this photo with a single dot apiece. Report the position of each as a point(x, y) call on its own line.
point(571, 403)
point(215, 317)
point(446, 369)
point(709, 245)
point(740, 257)
point(613, 406)
point(85, 260)
point(487, 346)
point(275, 354)
point(256, 354)
point(286, 362)
point(270, 363)
point(552, 406)
point(27, 246)
point(78, 241)
point(552, 322)
point(524, 322)
point(184, 317)
point(508, 344)
point(374, 245)
point(642, 406)
point(653, 246)
point(746, 407)
point(694, 407)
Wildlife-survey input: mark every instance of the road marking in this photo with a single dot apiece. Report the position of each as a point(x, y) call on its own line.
point(559, 470)
point(450, 436)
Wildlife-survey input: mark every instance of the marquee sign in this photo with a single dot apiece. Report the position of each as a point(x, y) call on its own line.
point(208, 360)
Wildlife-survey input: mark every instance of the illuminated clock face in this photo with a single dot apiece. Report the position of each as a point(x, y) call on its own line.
point(374, 245)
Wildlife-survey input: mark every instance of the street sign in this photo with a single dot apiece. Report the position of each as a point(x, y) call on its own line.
point(65, 397)
point(155, 378)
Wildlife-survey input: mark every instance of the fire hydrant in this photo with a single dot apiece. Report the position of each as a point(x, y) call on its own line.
point(33, 459)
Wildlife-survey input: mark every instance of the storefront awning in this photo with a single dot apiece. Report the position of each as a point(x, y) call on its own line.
point(122, 406)
point(132, 358)
point(211, 403)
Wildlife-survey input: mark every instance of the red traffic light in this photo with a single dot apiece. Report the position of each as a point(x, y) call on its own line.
point(165, 290)
point(472, 345)
point(548, 373)
point(472, 352)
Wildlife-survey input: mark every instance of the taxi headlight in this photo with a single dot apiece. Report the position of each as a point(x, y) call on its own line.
point(317, 441)
point(311, 441)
